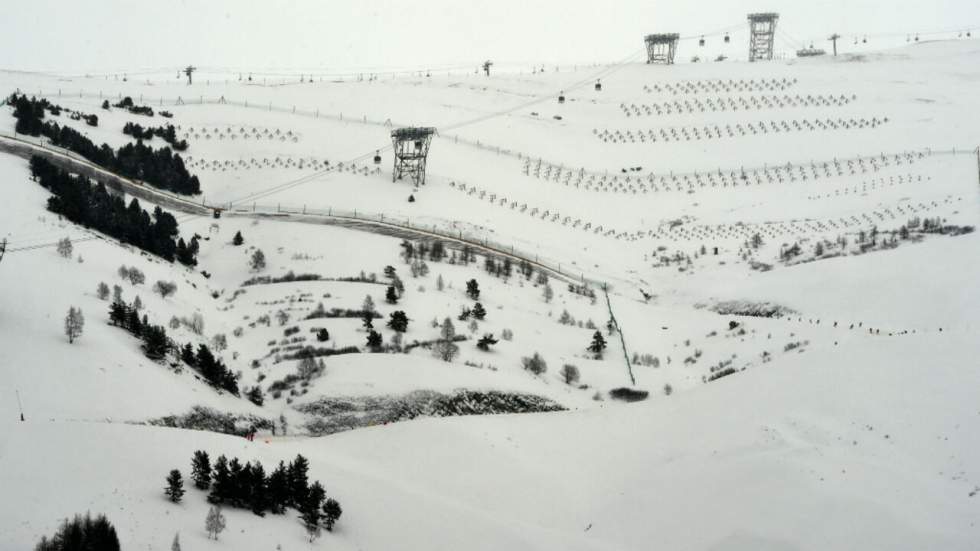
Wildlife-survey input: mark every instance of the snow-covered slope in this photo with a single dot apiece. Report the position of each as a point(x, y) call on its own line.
point(845, 420)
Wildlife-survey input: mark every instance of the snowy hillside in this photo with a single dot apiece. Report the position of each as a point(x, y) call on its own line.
point(787, 248)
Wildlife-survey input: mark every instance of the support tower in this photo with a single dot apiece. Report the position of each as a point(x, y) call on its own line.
point(411, 147)
point(661, 48)
point(762, 32)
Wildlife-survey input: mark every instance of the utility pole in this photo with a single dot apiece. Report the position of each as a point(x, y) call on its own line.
point(20, 406)
point(834, 38)
point(189, 71)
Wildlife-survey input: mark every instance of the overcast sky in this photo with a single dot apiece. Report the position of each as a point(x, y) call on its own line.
point(114, 35)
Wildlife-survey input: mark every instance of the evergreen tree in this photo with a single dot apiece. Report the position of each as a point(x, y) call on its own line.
point(221, 489)
point(398, 321)
point(117, 314)
point(201, 470)
point(598, 344)
point(175, 546)
point(473, 289)
point(258, 491)
point(310, 510)
point(374, 340)
point(478, 311)
point(238, 240)
point(103, 291)
point(367, 320)
point(331, 513)
point(82, 534)
point(239, 482)
point(391, 296)
point(155, 342)
point(255, 396)
point(298, 481)
point(278, 487)
point(368, 304)
point(187, 355)
point(175, 486)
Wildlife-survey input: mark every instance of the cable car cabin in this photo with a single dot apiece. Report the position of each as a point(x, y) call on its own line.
point(377, 157)
point(701, 42)
point(561, 98)
point(216, 213)
point(727, 38)
point(598, 86)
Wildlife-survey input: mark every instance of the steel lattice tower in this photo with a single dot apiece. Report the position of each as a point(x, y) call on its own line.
point(411, 147)
point(661, 48)
point(762, 33)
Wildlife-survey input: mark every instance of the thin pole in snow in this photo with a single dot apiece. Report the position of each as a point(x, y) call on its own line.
point(20, 407)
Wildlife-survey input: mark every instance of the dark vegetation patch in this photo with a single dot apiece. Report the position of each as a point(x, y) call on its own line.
point(336, 414)
point(160, 168)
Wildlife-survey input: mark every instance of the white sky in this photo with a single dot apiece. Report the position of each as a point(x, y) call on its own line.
point(76, 36)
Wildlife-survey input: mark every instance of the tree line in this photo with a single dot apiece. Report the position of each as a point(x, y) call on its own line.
point(156, 346)
point(160, 168)
point(249, 487)
point(167, 133)
point(94, 207)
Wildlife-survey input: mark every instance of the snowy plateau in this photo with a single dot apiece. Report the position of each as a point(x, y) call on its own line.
point(778, 259)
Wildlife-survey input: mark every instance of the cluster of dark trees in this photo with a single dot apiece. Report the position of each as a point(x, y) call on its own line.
point(80, 534)
point(29, 112)
point(249, 487)
point(211, 368)
point(128, 104)
point(160, 168)
point(156, 346)
point(94, 207)
point(167, 133)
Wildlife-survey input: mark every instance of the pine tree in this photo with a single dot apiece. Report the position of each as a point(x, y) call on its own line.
point(239, 482)
point(398, 321)
point(368, 304)
point(117, 313)
point(298, 481)
point(391, 296)
point(258, 490)
point(187, 355)
point(175, 486)
point(478, 311)
point(367, 320)
point(155, 342)
point(374, 340)
point(598, 344)
point(331, 513)
point(310, 510)
point(440, 284)
point(221, 488)
point(201, 470)
point(74, 324)
point(473, 289)
point(175, 546)
point(548, 293)
point(238, 240)
point(278, 489)
point(103, 291)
